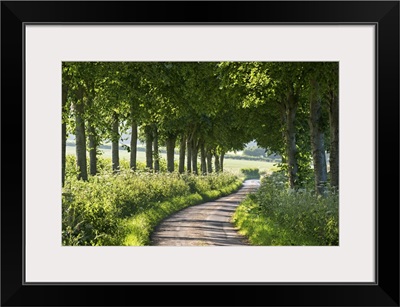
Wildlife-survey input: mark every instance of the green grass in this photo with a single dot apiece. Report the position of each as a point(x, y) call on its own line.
point(276, 216)
point(143, 224)
point(123, 209)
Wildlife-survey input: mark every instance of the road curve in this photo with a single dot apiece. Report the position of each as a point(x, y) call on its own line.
point(207, 224)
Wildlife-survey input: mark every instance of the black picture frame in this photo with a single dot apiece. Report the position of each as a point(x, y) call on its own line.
point(383, 14)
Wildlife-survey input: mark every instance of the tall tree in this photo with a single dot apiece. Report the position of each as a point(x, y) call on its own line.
point(203, 161)
point(170, 142)
point(209, 161)
point(156, 150)
point(221, 163)
point(288, 84)
point(189, 155)
point(80, 135)
point(90, 75)
point(123, 96)
point(182, 150)
point(317, 136)
point(64, 115)
point(133, 144)
point(149, 146)
point(115, 142)
point(195, 152)
point(217, 162)
point(333, 100)
point(89, 82)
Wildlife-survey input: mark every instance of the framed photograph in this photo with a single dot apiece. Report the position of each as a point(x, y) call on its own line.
point(58, 56)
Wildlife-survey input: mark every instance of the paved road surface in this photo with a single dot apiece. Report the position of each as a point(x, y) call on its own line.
point(206, 224)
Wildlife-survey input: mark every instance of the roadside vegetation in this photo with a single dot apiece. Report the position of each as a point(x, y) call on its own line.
point(190, 120)
point(278, 215)
point(123, 209)
point(232, 162)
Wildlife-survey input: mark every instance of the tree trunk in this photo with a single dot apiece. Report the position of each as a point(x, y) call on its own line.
point(209, 162)
point(80, 138)
point(334, 134)
point(189, 156)
point(149, 147)
point(91, 131)
point(170, 142)
point(182, 150)
point(221, 163)
point(203, 163)
point(216, 162)
point(92, 150)
point(317, 140)
point(290, 135)
point(63, 133)
point(115, 143)
point(156, 151)
point(195, 150)
point(134, 137)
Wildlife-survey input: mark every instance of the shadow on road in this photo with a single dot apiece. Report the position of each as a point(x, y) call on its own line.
point(206, 224)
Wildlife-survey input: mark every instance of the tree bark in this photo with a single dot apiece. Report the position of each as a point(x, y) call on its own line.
point(92, 149)
point(189, 156)
point(209, 162)
point(156, 151)
point(149, 147)
point(216, 162)
point(334, 135)
point(170, 152)
point(63, 132)
point(115, 143)
point(203, 162)
point(290, 135)
point(195, 150)
point(80, 137)
point(317, 139)
point(221, 163)
point(91, 131)
point(182, 150)
point(134, 137)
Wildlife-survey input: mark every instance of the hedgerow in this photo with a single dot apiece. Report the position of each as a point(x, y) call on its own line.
point(103, 210)
point(250, 173)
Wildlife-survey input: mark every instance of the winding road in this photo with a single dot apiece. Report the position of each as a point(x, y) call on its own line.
point(207, 224)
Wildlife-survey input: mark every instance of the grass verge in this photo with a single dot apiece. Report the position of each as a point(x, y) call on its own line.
point(117, 209)
point(277, 216)
point(141, 226)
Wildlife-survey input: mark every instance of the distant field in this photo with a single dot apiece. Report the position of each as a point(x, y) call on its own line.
point(232, 165)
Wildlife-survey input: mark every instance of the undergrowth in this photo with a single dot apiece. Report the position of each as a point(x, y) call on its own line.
point(123, 208)
point(276, 215)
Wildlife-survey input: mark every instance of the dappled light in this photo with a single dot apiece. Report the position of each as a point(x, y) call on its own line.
point(256, 143)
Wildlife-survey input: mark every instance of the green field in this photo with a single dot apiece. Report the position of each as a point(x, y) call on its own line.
point(232, 165)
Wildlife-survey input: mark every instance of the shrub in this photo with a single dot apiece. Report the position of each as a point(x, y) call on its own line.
point(96, 212)
point(276, 215)
point(250, 173)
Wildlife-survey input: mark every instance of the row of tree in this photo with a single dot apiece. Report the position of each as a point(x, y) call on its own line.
point(205, 109)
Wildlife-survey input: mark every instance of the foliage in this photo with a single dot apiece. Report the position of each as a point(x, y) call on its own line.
point(220, 105)
point(96, 212)
point(275, 215)
point(254, 151)
point(141, 225)
point(251, 158)
point(250, 173)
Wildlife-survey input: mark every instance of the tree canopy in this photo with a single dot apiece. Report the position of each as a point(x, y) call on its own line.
point(205, 109)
